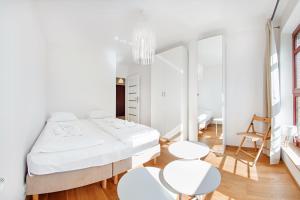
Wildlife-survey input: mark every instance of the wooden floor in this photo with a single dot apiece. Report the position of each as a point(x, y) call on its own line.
point(239, 181)
point(212, 137)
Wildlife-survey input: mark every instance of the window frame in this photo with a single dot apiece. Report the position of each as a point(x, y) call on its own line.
point(296, 91)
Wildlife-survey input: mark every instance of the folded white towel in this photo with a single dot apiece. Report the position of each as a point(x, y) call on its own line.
point(69, 129)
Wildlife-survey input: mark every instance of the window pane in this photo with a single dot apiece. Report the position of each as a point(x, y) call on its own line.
point(297, 63)
point(297, 40)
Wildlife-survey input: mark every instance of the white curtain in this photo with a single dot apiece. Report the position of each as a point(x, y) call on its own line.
point(273, 93)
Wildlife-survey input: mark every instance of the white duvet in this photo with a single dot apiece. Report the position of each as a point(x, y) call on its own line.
point(87, 150)
point(131, 133)
point(65, 136)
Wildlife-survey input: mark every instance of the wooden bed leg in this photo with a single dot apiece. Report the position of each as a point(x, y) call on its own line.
point(116, 179)
point(154, 161)
point(104, 184)
point(35, 197)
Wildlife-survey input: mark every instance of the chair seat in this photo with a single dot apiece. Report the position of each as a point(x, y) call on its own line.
point(252, 135)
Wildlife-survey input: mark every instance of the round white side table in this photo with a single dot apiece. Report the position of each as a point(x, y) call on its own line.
point(143, 183)
point(189, 150)
point(192, 177)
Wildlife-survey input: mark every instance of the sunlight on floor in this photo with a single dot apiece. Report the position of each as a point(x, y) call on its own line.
point(240, 167)
point(233, 165)
point(220, 196)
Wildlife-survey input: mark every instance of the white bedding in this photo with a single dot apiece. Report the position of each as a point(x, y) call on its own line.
point(135, 135)
point(65, 136)
point(108, 151)
point(204, 118)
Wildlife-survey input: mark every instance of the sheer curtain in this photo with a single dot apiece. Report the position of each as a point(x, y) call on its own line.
point(273, 93)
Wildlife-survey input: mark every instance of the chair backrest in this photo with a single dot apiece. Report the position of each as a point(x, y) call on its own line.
point(265, 120)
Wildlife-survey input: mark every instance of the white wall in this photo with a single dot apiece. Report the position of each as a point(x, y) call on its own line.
point(144, 73)
point(81, 72)
point(245, 82)
point(80, 78)
point(210, 75)
point(22, 97)
point(122, 70)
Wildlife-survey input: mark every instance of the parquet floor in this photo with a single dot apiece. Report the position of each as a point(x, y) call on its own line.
point(240, 181)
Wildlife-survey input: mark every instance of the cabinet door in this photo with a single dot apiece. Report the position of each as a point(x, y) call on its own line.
point(157, 96)
point(172, 98)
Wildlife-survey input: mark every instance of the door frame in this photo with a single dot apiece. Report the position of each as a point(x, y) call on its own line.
point(192, 90)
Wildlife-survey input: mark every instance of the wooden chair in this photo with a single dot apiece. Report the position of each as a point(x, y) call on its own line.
point(256, 136)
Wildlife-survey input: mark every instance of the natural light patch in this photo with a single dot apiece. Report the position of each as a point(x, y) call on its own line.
point(206, 136)
point(253, 173)
point(220, 196)
point(229, 164)
point(214, 160)
point(241, 169)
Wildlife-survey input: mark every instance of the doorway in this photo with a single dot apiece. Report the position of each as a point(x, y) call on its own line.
point(120, 98)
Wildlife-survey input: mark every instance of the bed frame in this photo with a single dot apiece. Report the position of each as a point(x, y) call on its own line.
point(135, 161)
point(41, 184)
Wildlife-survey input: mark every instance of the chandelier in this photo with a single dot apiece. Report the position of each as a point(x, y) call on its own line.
point(143, 45)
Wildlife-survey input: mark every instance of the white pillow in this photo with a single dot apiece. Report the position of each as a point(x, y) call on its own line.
point(99, 114)
point(62, 117)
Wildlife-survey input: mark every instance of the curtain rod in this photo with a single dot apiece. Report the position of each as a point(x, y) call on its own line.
point(274, 11)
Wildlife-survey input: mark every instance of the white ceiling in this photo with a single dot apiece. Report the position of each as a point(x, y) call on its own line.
point(83, 22)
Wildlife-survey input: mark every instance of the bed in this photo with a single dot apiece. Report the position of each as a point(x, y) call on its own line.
point(204, 118)
point(83, 154)
point(142, 140)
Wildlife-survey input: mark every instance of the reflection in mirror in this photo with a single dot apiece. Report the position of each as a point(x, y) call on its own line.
point(210, 91)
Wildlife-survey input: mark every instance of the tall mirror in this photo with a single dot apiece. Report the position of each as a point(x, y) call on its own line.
point(210, 104)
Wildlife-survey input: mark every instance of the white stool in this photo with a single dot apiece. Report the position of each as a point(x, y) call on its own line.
point(192, 177)
point(189, 150)
point(143, 183)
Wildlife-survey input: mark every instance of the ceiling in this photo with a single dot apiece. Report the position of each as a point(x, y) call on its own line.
point(98, 22)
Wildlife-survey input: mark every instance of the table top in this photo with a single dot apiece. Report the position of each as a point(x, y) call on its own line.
point(192, 177)
point(189, 150)
point(144, 183)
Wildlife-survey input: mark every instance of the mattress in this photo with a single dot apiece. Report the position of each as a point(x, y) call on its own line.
point(109, 151)
point(137, 136)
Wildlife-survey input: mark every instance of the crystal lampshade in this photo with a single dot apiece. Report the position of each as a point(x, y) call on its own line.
point(143, 45)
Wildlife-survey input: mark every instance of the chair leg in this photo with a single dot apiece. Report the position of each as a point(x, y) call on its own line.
point(258, 153)
point(255, 145)
point(242, 142)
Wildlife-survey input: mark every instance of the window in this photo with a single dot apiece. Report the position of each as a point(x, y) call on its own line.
point(296, 78)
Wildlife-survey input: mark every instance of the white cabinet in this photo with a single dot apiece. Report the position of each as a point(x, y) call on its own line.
point(169, 92)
